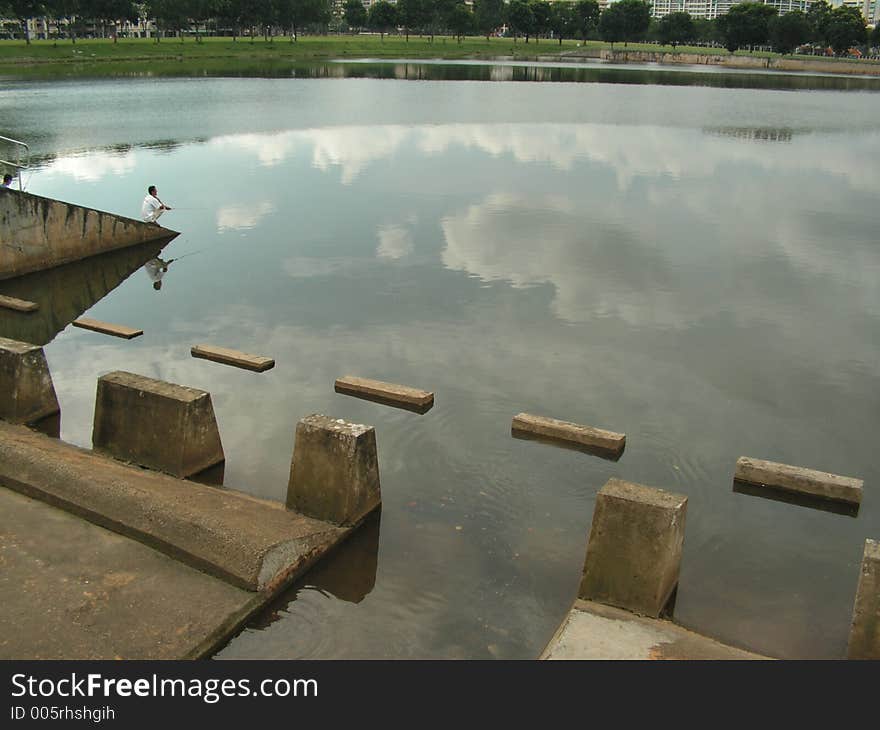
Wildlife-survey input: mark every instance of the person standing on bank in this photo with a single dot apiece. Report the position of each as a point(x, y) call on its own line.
point(152, 207)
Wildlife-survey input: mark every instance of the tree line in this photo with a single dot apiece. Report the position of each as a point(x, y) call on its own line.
point(747, 25)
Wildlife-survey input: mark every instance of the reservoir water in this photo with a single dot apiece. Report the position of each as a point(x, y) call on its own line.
point(691, 259)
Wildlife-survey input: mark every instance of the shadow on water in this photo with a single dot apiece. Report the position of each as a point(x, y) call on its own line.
point(798, 500)
point(65, 292)
point(348, 573)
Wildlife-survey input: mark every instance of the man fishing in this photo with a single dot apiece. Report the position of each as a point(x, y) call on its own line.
point(153, 207)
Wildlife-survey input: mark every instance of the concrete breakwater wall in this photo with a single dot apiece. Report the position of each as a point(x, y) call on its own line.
point(38, 233)
point(818, 65)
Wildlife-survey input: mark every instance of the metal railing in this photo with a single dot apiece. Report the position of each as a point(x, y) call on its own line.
point(19, 147)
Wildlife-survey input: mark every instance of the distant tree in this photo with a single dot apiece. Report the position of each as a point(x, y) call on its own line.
point(230, 14)
point(294, 14)
point(676, 28)
point(625, 20)
point(746, 24)
point(169, 15)
point(108, 12)
point(22, 10)
point(542, 14)
point(461, 20)
point(706, 31)
point(488, 15)
point(818, 16)
point(875, 35)
point(413, 14)
point(520, 19)
point(562, 20)
point(58, 10)
point(382, 16)
point(585, 18)
point(355, 14)
point(789, 31)
point(439, 13)
point(846, 29)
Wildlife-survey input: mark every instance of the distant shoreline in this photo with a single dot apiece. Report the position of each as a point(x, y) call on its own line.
point(64, 58)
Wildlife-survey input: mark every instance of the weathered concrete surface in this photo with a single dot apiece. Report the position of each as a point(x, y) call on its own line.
point(815, 65)
point(38, 233)
point(797, 479)
point(27, 394)
point(591, 439)
point(225, 356)
point(864, 634)
point(105, 328)
point(18, 305)
point(249, 542)
point(335, 471)
point(634, 552)
point(73, 590)
point(400, 396)
point(66, 292)
point(156, 424)
point(594, 631)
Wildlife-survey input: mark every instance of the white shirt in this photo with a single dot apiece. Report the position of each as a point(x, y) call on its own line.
point(151, 209)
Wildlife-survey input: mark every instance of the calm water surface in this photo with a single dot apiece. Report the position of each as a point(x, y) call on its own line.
point(695, 266)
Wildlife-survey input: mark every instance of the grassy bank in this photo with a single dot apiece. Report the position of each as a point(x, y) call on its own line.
point(63, 58)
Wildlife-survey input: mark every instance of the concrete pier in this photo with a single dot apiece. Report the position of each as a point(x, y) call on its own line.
point(27, 394)
point(39, 233)
point(634, 551)
point(156, 424)
point(594, 631)
point(585, 438)
point(334, 475)
point(864, 635)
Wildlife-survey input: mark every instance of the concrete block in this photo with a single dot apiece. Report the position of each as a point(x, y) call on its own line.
point(156, 424)
point(586, 438)
point(796, 479)
point(335, 471)
point(864, 634)
point(18, 305)
point(399, 396)
point(255, 363)
point(105, 328)
point(634, 551)
point(27, 394)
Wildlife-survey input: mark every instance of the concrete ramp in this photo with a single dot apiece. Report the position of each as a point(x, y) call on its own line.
point(38, 233)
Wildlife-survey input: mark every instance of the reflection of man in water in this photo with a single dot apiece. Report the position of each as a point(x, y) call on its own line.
point(156, 269)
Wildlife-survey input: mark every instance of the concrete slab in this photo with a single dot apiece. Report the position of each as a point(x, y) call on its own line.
point(18, 305)
point(252, 543)
point(105, 328)
point(391, 394)
point(225, 356)
point(587, 438)
point(73, 590)
point(797, 479)
point(594, 631)
point(39, 233)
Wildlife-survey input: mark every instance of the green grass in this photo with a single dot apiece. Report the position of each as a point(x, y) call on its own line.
point(86, 57)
